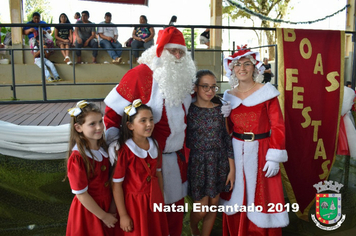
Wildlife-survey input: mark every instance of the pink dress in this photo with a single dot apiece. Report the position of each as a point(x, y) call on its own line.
point(80, 220)
point(136, 185)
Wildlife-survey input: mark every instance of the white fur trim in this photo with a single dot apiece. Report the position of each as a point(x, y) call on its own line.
point(187, 101)
point(111, 134)
point(174, 189)
point(118, 180)
point(265, 220)
point(116, 102)
point(98, 154)
point(142, 153)
point(156, 102)
point(276, 155)
point(267, 92)
point(80, 191)
point(348, 100)
point(175, 140)
point(351, 134)
point(249, 161)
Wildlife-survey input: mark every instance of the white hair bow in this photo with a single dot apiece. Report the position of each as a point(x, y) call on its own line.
point(130, 110)
point(75, 111)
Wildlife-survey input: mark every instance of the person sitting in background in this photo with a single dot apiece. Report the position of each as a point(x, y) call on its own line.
point(142, 36)
point(32, 31)
point(77, 16)
point(64, 37)
point(47, 63)
point(108, 39)
point(85, 36)
point(267, 73)
point(205, 37)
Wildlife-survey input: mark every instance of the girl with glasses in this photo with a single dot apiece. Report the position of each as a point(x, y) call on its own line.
point(211, 167)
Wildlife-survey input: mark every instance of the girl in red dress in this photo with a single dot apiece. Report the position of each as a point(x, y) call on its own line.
point(137, 180)
point(88, 174)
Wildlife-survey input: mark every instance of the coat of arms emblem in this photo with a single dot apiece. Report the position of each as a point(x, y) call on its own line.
point(328, 205)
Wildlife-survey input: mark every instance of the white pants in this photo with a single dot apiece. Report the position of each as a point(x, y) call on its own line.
point(49, 64)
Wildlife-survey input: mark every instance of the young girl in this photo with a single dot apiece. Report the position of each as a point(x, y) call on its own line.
point(64, 37)
point(211, 168)
point(137, 180)
point(88, 173)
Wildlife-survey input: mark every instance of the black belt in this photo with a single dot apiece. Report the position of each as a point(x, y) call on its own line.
point(249, 136)
point(179, 153)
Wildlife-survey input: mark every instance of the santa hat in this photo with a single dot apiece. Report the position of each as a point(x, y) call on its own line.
point(170, 37)
point(241, 52)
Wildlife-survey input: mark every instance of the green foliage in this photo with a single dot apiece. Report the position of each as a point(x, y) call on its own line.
point(187, 33)
point(40, 6)
point(275, 9)
point(3, 32)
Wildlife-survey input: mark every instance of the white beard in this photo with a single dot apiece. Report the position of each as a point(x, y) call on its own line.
point(175, 77)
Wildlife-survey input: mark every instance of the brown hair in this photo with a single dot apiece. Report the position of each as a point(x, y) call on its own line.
point(81, 141)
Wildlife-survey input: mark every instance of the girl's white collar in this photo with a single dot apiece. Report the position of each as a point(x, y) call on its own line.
point(141, 153)
point(98, 154)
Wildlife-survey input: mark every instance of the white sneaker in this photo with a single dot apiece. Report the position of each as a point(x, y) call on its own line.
point(69, 63)
point(50, 80)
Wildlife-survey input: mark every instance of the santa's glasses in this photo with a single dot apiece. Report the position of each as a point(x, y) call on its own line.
point(175, 51)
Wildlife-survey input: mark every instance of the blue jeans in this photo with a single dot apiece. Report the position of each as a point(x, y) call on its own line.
point(138, 44)
point(112, 45)
point(93, 44)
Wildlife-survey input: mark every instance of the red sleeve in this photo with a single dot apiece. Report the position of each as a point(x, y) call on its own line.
point(277, 140)
point(77, 174)
point(276, 151)
point(121, 164)
point(136, 83)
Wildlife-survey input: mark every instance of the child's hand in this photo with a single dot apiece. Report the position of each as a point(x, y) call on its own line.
point(126, 223)
point(109, 220)
point(231, 179)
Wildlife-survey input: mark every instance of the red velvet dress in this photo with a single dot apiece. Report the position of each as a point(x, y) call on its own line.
point(259, 113)
point(131, 171)
point(81, 222)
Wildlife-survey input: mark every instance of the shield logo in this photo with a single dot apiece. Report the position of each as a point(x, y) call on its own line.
point(328, 208)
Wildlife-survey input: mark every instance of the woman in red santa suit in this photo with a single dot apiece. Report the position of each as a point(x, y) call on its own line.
point(163, 81)
point(256, 205)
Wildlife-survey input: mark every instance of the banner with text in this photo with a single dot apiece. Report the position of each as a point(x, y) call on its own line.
point(311, 78)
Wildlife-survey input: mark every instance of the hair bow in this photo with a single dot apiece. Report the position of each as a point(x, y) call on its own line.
point(75, 111)
point(130, 110)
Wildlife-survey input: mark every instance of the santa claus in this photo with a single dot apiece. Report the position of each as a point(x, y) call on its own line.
point(163, 81)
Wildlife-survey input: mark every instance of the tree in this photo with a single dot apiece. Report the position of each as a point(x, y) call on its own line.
point(40, 6)
point(275, 9)
point(187, 34)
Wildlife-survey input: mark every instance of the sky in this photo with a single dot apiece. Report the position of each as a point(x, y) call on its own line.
point(192, 12)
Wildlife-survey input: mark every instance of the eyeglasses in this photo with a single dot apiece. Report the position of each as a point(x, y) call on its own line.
point(207, 88)
point(174, 51)
point(246, 64)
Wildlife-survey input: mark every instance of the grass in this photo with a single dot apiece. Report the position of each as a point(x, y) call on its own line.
point(35, 201)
